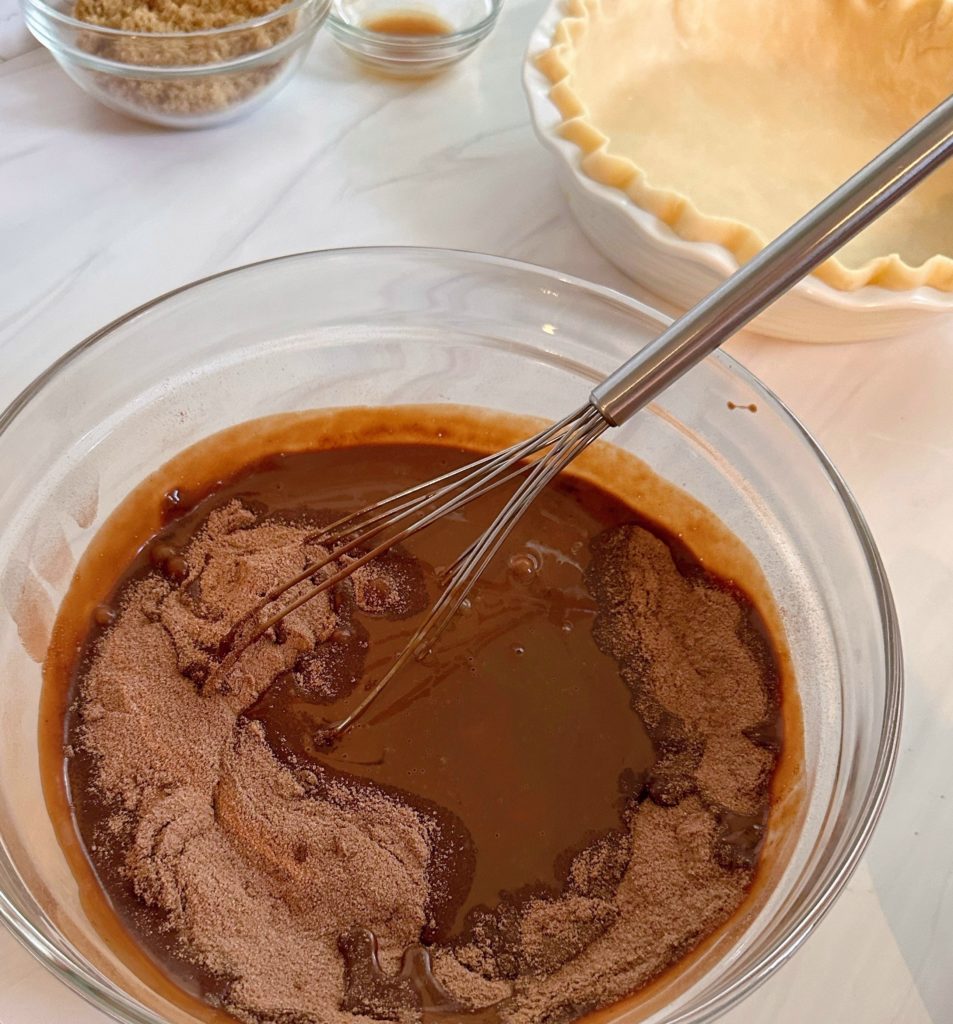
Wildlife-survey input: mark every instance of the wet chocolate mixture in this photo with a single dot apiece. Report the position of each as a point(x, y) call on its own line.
point(558, 803)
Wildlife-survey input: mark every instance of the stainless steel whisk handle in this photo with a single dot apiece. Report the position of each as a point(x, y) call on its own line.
point(781, 264)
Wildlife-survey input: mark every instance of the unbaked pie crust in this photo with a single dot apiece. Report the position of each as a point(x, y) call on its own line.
point(728, 119)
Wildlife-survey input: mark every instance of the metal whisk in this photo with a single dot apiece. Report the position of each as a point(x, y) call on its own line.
point(356, 539)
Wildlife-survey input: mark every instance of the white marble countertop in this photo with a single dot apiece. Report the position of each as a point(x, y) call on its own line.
point(98, 214)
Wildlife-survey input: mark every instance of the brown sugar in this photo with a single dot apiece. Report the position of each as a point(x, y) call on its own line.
point(170, 16)
point(185, 94)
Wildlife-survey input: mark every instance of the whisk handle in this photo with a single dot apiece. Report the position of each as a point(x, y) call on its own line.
point(781, 264)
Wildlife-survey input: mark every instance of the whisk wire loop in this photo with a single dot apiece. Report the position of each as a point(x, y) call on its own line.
point(590, 426)
point(400, 517)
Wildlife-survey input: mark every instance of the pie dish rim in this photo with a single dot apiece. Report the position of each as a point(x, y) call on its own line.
point(670, 220)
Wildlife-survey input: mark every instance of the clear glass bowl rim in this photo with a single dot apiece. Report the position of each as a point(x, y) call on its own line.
point(247, 61)
point(120, 33)
point(87, 982)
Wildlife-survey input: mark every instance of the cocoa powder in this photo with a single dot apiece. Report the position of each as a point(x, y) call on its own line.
point(255, 867)
point(700, 678)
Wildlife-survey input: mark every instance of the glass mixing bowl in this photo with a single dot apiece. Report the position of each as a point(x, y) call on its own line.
point(385, 326)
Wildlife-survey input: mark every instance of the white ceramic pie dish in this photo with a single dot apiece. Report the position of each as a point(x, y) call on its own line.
point(682, 272)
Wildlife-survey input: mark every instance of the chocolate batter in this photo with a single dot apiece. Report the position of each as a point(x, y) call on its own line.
point(537, 819)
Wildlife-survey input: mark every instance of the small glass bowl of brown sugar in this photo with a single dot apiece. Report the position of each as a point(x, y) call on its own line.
point(411, 40)
point(175, 63)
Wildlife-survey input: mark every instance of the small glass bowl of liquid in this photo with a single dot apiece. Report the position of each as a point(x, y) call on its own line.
point(411, 39)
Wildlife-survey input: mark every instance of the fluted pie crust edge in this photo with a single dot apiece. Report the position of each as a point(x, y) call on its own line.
point(603, 163)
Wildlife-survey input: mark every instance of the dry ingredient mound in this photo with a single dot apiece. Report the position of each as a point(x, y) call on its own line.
point(184, 94)
point(171, 16)
point(256, 867)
